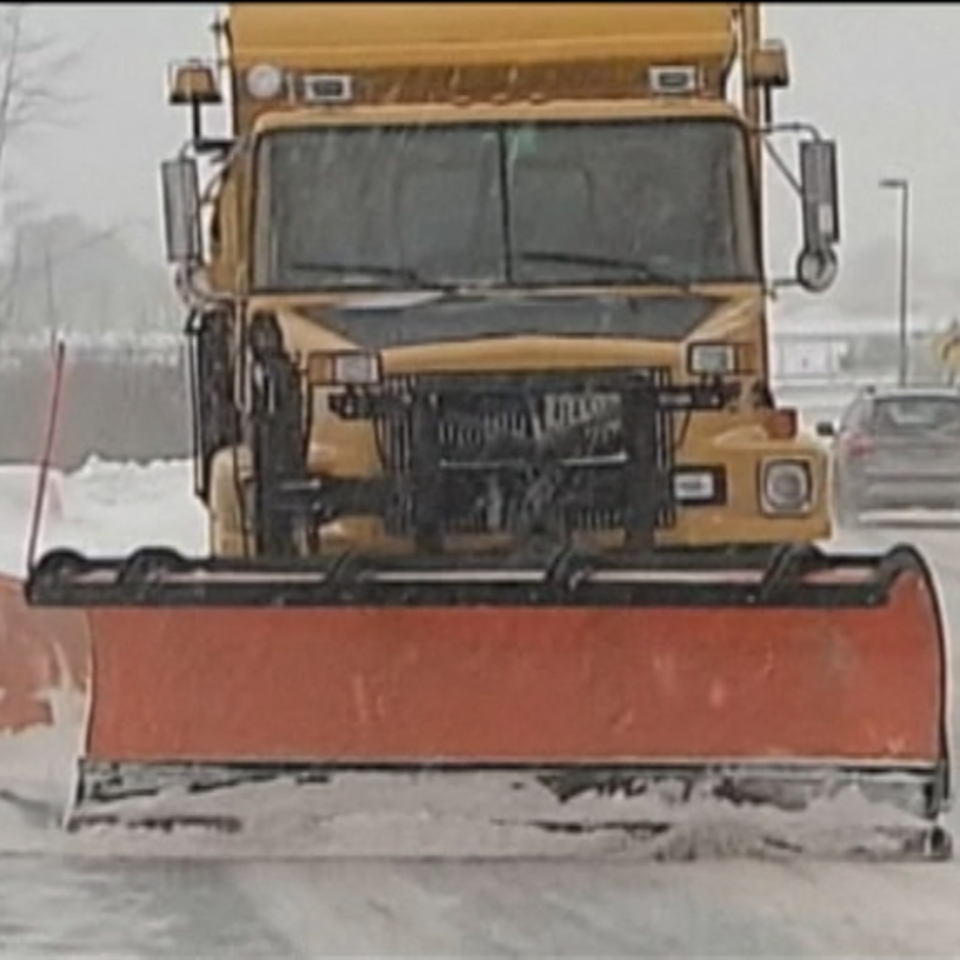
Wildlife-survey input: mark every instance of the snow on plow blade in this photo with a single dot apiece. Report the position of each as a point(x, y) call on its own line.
point(580, 698)
point(43, 654)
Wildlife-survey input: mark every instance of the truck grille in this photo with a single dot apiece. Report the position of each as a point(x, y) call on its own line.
point(514, 453)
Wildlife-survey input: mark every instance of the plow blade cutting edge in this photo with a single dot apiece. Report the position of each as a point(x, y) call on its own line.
point(575, 698)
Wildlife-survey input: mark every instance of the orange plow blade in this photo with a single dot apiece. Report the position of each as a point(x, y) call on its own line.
point(569, 689)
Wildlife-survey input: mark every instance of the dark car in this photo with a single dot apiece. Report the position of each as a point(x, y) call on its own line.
point(896, 448)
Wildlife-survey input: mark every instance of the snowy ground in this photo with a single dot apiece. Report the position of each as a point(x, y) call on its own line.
point(55, 903)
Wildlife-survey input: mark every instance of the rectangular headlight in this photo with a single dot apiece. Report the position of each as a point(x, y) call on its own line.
point(712, 359)
point(360, 368)
point(352, 368)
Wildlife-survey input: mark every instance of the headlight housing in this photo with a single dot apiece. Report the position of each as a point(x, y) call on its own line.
point(786, 487)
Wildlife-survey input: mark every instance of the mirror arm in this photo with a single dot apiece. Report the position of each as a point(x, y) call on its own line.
point(218, 147)
point(221, 147)
point(797, 126)
point(784, 168)
point(771, 129)
point(185, 281)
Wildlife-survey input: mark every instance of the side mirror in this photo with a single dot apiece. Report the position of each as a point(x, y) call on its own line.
point(181, 211)
point(826, 429)
point(819, 189)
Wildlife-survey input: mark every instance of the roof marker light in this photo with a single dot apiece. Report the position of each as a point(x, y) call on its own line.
point(674, 81)
point(327, 88)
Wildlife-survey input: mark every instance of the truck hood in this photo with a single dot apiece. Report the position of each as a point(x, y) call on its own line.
point(397, 321)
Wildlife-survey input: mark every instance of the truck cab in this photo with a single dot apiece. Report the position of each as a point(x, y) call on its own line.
point(470, 275)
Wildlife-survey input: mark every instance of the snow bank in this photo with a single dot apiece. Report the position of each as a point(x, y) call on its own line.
point(105, 508)
point(37, 770)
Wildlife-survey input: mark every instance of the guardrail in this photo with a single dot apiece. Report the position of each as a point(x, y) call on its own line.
point(126, 401)
point(118, 403)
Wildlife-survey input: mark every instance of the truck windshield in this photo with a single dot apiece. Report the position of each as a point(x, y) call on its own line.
point(542, 204)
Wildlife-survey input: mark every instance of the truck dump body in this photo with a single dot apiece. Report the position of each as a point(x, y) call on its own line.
point(429, 53)
point(333, 36)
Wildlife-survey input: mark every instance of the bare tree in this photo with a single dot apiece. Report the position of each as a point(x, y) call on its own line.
point(34, 67)
point(32, 72)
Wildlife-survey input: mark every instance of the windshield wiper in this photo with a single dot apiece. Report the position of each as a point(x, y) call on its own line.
point(641, 270)
point(369, 271)
point(408, 277)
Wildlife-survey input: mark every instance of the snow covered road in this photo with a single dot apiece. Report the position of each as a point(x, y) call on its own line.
point(61, 905)
point(134, 909)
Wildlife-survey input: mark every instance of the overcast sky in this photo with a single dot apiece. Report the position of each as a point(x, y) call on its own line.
point(882, 80)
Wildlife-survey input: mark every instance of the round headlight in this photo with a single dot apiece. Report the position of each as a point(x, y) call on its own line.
point(786, 486)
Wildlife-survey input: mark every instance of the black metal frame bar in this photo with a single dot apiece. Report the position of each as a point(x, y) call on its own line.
point(215, 419)
point(762, 576)
point(405, 411)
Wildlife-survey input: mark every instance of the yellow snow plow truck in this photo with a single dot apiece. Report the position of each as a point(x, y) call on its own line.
point(504, 521)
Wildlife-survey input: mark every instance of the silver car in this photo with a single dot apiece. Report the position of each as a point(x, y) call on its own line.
point(896, 448)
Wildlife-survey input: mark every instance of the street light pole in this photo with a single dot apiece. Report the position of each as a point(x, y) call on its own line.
point(903, 186)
